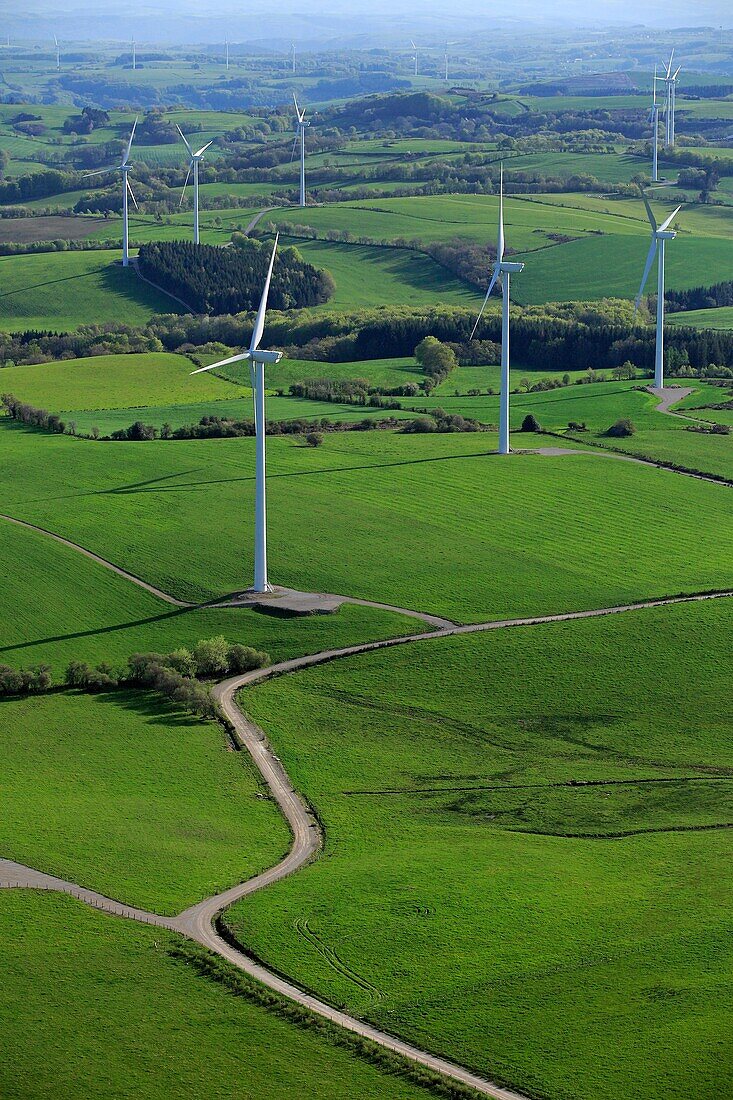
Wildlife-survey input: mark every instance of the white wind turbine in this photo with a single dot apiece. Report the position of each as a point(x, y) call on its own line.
point(257, 361)
point(58, 52)
point(503, 270)
point(660, 235)
point(226, 46)
point(134, 53)
point(445, 60)
point(292, 55)
point(416, 57)
point(300, 135)
point(670, 81)
point(193, 164)
point(654, 119)
point(124, 168)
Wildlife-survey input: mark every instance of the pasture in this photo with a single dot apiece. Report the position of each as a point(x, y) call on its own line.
point(62, 290)
point(516, 826)
point(115, 382)
point(92, 1004)
point(559, 532)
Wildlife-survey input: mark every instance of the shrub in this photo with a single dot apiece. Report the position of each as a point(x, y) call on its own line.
point(182, 661)
point(577, 426)
point(242, 658)
point(314, 439)
point(25, 681)
point(531, 424)
point(211, 656)
point(621, 429)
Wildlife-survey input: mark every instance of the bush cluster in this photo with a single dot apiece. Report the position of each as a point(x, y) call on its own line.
point(24, 681)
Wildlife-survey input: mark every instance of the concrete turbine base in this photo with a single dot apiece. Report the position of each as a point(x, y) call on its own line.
point(287, 601)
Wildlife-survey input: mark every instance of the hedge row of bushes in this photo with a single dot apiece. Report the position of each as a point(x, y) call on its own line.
point(177, 675)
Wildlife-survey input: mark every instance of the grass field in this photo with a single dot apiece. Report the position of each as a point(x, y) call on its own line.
point(59, 606)
point(558, 533)
point(94, 1006)
point(23, 230)
point(366, 276)
point(526, 849)
point(114, 382)
point(720, 317)
point(62, 290)
point(707, 454)
point(137, 800)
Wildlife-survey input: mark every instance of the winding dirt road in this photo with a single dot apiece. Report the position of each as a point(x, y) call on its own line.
point(199, 921)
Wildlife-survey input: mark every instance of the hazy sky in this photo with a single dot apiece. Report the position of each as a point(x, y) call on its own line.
point(372, 21)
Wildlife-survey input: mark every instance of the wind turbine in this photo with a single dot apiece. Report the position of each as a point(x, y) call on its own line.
point(503, 270)
point(193, 164)
point(654, 119)
point(58, 53)
point(124, 168)
point(660, 235)
point(134, 53)
point(301, 134)
point(226, 45)
point(445, 59)
point(416, 57)
point(292, 54)
point(670, 81)
point(257, 362)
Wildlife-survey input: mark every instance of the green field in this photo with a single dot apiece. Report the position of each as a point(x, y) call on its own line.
point(62, 290)
point(136, 800)
point(526, 849)
point(114, 382)
point(59, 606)
point(706, 454)
point(106, 1009)
point(720, 317)
point(560, 533)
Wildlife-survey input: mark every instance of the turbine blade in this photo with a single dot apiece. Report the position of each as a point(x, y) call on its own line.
point(129, 144)
point(260, 319)
point(292, 152)
point(100, 171)
point(669, 67)
point(677, 72)
point(492, 284)
point(665, 224)
point(132, 196)
point(222, 363)
point(297, 109)
point(202, 150)
point(185, 184)
point(650, 212)
point(649, 261)
point(183, 136)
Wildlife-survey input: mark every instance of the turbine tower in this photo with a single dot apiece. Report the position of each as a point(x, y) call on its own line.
point(670, 82)
point(124, 168)
point(292, 55)
point(445, 60)
point(134, 53)
point(503, 270)
point(301, 135)
point(226, 45)
point(58, 53)
point(257, 361)
point(193, 164)
point(660, 235)
point(654, 119)
point(416, 57)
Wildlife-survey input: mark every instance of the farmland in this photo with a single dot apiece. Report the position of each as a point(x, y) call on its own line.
point(495, 853)
point(507, 843)
point(106, 1004)
point(142, 507)
point(61, 290)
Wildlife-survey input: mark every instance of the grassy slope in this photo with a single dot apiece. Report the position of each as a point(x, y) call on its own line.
point(453, 904)
point(707, 454)
point(135, 799)
point(62, 290)
point(93, 1006)
point(719, 318)
point(56, 605)
point(527, 535)
point(114, 382)
point(370, 276)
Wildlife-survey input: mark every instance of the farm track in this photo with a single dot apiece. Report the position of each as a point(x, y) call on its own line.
point(199, 922)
